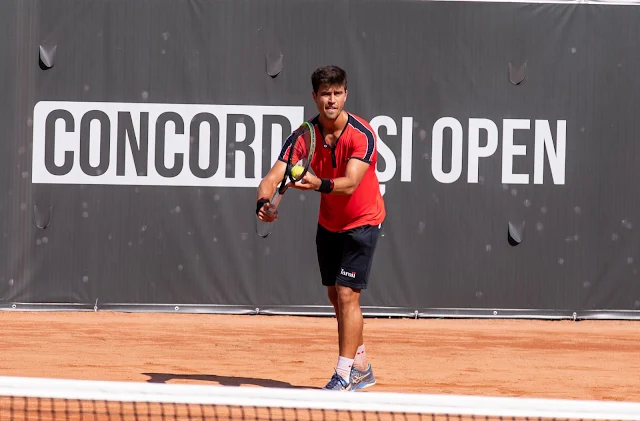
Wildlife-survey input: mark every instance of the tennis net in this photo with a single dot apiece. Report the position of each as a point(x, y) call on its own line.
point(23, 398)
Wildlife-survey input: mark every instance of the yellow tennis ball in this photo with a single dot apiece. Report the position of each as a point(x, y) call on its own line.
point(296, 172)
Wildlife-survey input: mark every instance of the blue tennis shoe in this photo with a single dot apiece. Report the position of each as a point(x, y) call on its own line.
point(337, 383)
point(361, 379)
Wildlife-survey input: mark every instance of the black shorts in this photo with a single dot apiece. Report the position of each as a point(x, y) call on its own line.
point(346, 257)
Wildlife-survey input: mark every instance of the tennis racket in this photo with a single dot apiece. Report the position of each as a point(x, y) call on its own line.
point(298, 155)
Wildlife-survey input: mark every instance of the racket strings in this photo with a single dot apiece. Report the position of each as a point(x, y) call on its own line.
point(301, 152)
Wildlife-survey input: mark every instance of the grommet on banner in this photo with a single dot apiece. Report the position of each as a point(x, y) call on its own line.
point(42, 216)
point(517, 72)
point(47, 56)
point(270, 44)
point(274, 63)
point(515, 233)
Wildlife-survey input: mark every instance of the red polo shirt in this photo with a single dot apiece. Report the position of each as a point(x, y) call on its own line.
point(365, 206)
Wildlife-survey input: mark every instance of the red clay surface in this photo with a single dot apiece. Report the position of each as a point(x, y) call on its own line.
point(552, 359)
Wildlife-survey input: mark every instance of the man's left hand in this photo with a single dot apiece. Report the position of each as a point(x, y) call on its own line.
point(308, 182)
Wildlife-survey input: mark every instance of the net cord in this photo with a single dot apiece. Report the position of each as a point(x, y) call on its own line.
point(392, 402)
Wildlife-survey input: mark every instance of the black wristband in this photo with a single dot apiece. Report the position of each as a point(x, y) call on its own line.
point(326, 185)
point(261, 203)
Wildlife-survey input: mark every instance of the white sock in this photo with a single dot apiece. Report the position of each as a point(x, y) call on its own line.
point(344, 367)
point(360, 356)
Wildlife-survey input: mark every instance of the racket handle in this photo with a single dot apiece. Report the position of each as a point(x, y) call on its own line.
point(275, 200)
point(263, 229)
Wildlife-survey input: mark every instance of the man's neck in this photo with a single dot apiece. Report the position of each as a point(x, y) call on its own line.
point(331, 126)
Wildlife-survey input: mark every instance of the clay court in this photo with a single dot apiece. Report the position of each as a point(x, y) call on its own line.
point(550, 359)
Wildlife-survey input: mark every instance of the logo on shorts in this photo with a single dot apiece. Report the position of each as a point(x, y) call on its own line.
point(349, 274)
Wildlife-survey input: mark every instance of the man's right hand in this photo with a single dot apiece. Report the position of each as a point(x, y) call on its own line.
point(268, 213)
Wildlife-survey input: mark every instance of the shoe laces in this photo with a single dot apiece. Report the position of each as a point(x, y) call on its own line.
point(336, 379)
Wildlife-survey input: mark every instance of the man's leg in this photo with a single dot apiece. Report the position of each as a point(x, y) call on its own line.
point(358, 251)
point(345, 362)
point(349, 320)
point(333, 299)
point(360, 360)
point(329, 249)
point(355, 248)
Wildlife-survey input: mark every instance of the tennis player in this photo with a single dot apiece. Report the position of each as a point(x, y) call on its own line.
point(351, 214)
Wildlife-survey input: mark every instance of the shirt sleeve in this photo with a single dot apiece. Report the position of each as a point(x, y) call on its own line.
point(364, 146)
point(286, 148)
point(299, 152)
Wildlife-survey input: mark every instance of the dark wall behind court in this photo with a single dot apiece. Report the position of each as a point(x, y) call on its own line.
point(135, 133)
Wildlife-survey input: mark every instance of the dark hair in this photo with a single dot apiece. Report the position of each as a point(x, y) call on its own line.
point(330, 75)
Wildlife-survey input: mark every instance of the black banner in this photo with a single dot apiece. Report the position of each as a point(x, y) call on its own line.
point(136, 133)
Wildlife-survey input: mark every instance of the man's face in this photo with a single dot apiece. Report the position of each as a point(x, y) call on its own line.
point(330, 100)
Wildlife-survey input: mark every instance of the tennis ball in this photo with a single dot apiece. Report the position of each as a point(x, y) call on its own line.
point(296, 172)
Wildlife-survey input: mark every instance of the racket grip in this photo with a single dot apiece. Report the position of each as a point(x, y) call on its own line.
point(275, 200)
point(263, 228)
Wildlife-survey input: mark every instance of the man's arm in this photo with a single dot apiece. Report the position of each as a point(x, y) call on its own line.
point(364, 146)
point(266, 190)
point(342, 185)
point(269, 183)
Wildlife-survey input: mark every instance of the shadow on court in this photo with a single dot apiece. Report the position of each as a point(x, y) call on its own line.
point(222, 380)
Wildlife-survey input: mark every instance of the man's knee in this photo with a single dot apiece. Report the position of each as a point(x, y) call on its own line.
point(332, 293)
point(347, 296)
